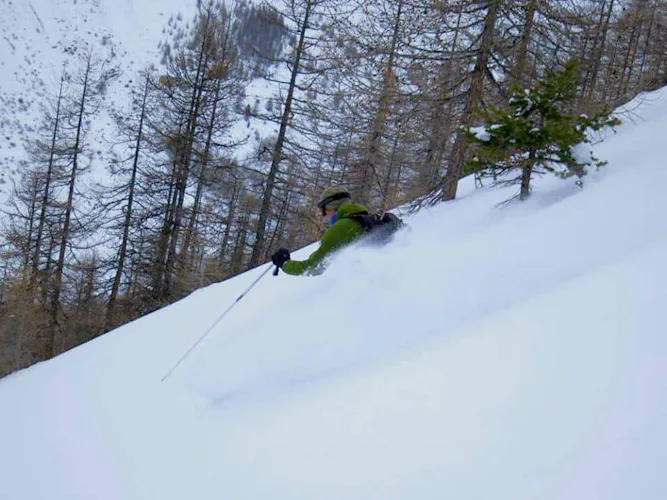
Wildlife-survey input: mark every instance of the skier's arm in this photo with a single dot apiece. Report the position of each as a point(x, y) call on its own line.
point(299, 267)
point(336, 236)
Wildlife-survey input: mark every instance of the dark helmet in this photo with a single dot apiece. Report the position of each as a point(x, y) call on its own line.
point(332, 197)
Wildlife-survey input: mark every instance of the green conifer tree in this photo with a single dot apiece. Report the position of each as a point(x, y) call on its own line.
point(537, 133)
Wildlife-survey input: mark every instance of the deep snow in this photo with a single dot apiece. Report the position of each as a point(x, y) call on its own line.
point(514, 353)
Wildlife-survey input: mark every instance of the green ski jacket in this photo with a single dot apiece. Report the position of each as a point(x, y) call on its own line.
point(341, 233)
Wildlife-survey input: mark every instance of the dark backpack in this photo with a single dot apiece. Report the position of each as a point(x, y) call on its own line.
point(381, 227)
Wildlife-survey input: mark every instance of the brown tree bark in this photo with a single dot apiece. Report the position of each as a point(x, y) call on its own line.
point(367, 170)
point(122, 252)
point(258, 247)
point(591, 79)
point(443, 115)
point(447, 188)
point(523, 79)
point(44, 202)
point(183, 146)
point(64, 239)
point(228, 226)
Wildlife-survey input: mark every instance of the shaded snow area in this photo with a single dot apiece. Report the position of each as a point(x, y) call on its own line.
point(487, 353)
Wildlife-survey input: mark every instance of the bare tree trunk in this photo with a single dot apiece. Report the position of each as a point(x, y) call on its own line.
point(192, 223)
point(49, 262)
point(34, 191)
point(523, 79)
point(159, 263)
point(55, 303)
point(368, 167)
point(521, 76)
point(183, 147)
point(280, 223)
point(390, 170)
point(282, 215)
point(47, 186)
point(637, 21)
point(601, 39)
point(442, 118)
point(3, 284)
point(228, 226)
point(447, 188)
point(239, 247)
point(122, 253)
point(526, 172)
point(258, 247)
point(610, 74)
point(642, 68)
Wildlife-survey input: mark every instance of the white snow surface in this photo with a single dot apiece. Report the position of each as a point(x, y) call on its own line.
point(487, 353)
point(39, 36)
point(481, 132)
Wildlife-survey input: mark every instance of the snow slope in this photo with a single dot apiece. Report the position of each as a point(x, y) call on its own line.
point(515, 353)
point(38, 36)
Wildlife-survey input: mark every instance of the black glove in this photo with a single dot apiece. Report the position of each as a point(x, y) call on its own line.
point(280, 257)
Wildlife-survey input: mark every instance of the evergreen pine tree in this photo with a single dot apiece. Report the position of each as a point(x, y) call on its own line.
point(538, 133)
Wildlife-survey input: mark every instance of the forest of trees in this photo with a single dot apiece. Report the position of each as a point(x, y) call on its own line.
point(377, 95)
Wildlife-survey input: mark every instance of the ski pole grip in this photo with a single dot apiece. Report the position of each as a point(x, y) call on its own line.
point(276, 271)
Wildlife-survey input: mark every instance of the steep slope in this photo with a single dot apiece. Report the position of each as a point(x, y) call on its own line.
point(39, 36)
point(514, 353)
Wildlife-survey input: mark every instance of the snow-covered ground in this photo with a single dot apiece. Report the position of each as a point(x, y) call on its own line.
point(38, 36)
point(515, 353)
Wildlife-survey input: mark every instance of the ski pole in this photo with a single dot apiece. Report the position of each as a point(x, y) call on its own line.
point(210, 328)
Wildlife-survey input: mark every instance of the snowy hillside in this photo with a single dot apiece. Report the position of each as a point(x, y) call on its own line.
point(515, 353)
point(39, 36)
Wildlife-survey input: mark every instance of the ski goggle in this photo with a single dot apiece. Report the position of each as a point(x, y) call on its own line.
point(322, 205)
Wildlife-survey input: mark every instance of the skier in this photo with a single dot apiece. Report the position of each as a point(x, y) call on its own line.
point(345, 226)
